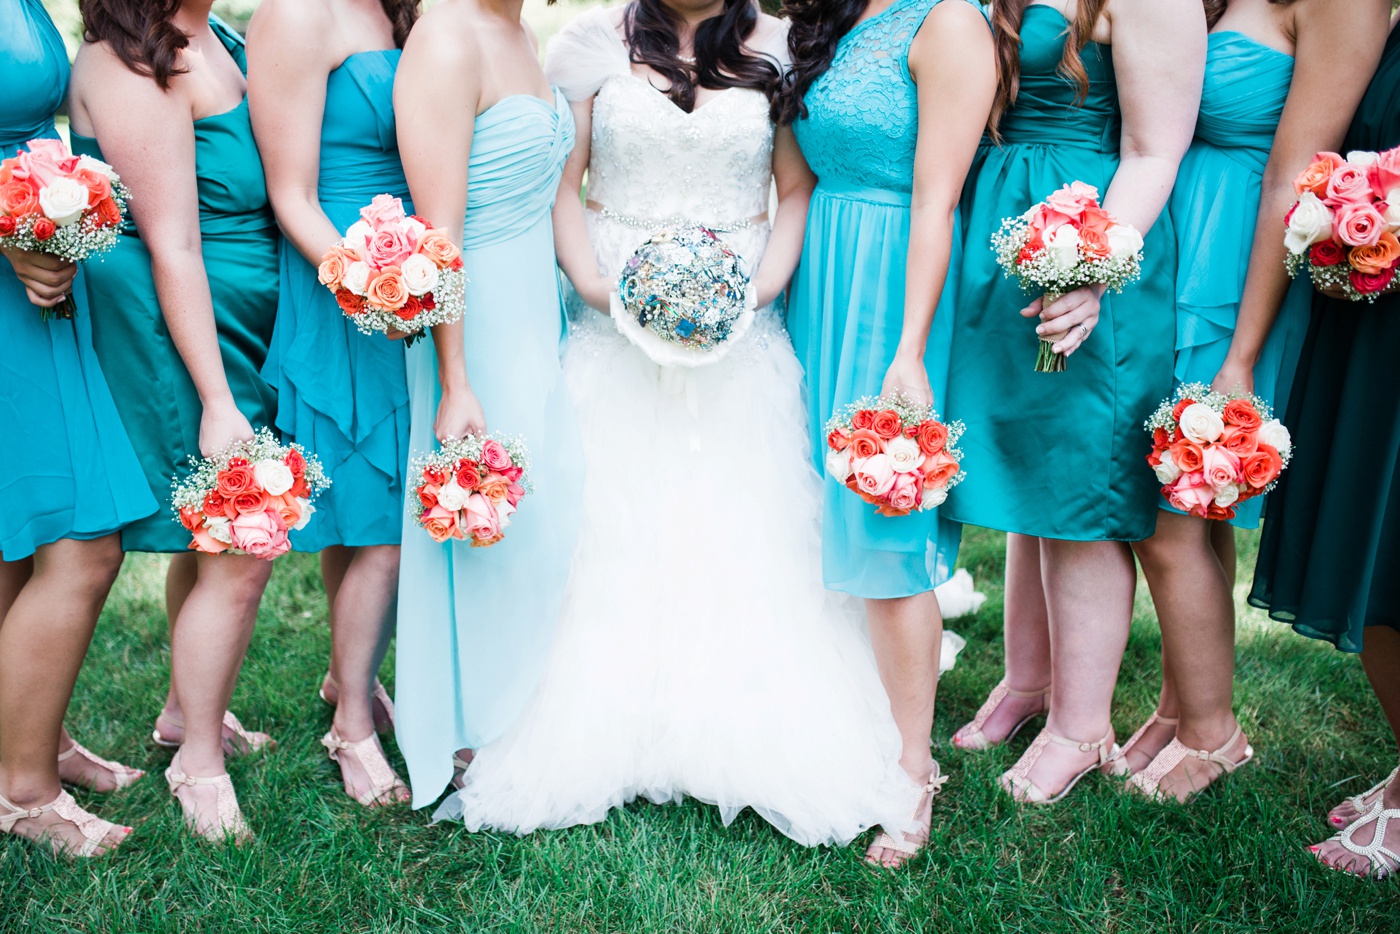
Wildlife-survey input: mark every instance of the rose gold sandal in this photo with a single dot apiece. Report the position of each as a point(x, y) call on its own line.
point(899, 840)
point(1149, 780)
point(1119, 767)
point(237, 741)
point(381, 704)
point(385, 786)
point(970, 737)
point(93, 828)
point(1025, 791)
point(231, 826)
point(123, 775)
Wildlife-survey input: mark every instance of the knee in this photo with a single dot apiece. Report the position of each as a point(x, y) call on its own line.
point(89, 568)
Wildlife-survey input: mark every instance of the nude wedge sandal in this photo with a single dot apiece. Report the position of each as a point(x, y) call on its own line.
point(1149, 780)
point(970, 736)
point(385, 786)
point(899, 841)
point(124, 776)
point(231, 827)
point(1025, 791)
point(93, 828)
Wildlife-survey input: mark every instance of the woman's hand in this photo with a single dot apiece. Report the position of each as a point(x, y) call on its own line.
point(908, 377)
point(1234, 376)
point(221, 425)
point(394, 334)
point(1069, 320)
point(47, 279)
point(597, 294)
point(459, 414)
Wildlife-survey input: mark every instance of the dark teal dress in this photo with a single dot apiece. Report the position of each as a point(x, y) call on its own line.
point(341, 393)
point(1330, 552)
point(67, 469)
point(154, 393)
point(1056, 455)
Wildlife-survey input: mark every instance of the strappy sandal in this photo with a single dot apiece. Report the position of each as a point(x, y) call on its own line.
point(237, 741)
point(93, 828)
point(385, 786)
point(231, 826)
point(123, 775)
point(1149, 780)
point(459, 770)
point(899, 841)
point(381, 704)
point(1383, 860)
point(1120, 767)
point(1363, 802)
point(1025, 791)
point(970, 737)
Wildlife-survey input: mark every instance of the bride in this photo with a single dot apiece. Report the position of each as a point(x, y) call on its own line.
point(697, 653)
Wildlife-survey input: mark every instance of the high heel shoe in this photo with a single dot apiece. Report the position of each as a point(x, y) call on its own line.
point(385, 786)
point(122, 775)
point(1025, 791)
point(1120, 768)
point(381, 704)
point(231, 826)
point(899, 841)
point(93, 828)
point(970, 736)
point(237, 741)
point(1149, 780)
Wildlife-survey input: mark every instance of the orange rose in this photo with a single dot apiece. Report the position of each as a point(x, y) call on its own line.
point(1263, 467)
point(107, 213)
point(1242, 414)
point(349, 302)
point(887, 424)
point(301, 488)
point(1188, 456)
point(865, 418)
point(427, 495)
point(1240, 442)
point(387, 289)
point(190, 518)
point(249, 502)
point(44, 228)
point(939, 469)
point(411, 309)
point(487, 542)
point(331, 272)
point(439, 248)
point(932, 436)
point(865, 443)
point(1374, 260)
point(295, 462)
point(440, 524)
point(235, 479)
point(1096, 219)
point(214, 505)
point(1094, 244)
point(838, 440)
point(99, 188)
point(17, 199)
point(495, 488)
point(1316, 176)
point(287, 509)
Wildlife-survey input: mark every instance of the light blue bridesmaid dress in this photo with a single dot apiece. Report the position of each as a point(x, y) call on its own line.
point(341, 393)
point(67, 468)
point(847, 299)
point(1215, 207)
point(475, 624)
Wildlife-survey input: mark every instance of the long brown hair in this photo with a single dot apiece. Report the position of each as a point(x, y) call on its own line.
point(1006, 27)
point(814, 29)
point(721, 58)
point(402, 15)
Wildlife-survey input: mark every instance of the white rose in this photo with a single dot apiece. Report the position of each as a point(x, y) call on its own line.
point(1063, 246)
point(273, 476)
point(357, 237)
point(904, 454)
point(1362, 158)
point(307, 511)
point(63, 201)
point(1227, 495)
point(1124, 240)
point(1275, 435)
point(452, 497)
point(933, 498)
point(1201, 423)
point(503, 511)
point(98, 166)
point(838, 464)
point(1167, 471)
point(1310, 223)
point(420, 274)
point(1392, 211)
point(218, 529)
point(356, 278)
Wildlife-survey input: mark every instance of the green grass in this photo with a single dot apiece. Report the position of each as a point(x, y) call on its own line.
point(1099, 862)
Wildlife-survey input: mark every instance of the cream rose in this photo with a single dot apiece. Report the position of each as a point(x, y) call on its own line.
point(1310, 222)
point(218, 529)
point(357, 238)
point(1392, 211)
point(1201, 424)
point(503, 511)
point(356, 278)
point(1063, 246)
point(1124, 240)
point(420, 274)
point(1227, 495)
point(1275, 435)
point(452, 496)
point(307, 511)
point(1362, 158)
point(273, 476)
point(904, 454)
point(63, 201)
point(838, 464)
point(98, 166)
point(1167, 471)
point(933, 498)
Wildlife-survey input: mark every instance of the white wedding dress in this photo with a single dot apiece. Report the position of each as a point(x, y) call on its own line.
point(698, 653)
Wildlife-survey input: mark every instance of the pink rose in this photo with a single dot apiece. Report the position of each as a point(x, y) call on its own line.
point(1384, 173)
point(480, 518)
point(45, 161)
point(261, 535)
point(1348, 185)
point(391, 246)
point(383, 210)
point(1359, 225)
point(1072, 199)
point(514, 494)
point(905, 493)
point(440, 523)
point(495, 456)
point(1221, 468)
point(874, 475)
point(1191, 494)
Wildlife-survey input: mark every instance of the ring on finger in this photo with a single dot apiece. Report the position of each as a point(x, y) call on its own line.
point(1083, 329)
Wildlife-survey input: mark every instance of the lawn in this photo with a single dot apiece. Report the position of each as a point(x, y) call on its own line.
point(1101, 861)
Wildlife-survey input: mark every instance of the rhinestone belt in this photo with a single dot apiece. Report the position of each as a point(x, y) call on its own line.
point(675, 220)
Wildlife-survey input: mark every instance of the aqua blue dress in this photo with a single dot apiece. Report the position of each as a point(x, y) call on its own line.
point(475, 624)
point(67, 468)
point(1214, 209)
point(846, 308)
point(341, 393)
point(1056, 455)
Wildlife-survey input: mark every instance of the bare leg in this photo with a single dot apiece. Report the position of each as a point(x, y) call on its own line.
point(335, 564)
point(52, 605)
point(1222, 541)
point(907, 635)
point(179, 581)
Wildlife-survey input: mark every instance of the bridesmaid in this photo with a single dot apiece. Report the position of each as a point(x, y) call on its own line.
point(1103, 92)
point(1282, 79)
point(871, 301)
point(1330, 573)
point(192, 290)
point(324, 119)
point(71, 481)
point(475, 623)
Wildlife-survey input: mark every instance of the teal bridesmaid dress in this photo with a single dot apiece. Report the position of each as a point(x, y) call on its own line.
point(1056, 455)
point(1214, 209)
point(475, 624)
point(67, 468)
point(1329, 552)
point(154, 392)
point(341, 393)
point(847, 298)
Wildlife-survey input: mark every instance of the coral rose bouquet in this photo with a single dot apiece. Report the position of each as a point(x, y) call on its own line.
point(894, 453)
point(1212, 451)
point(54, 202)
point(1344, 229)
point(469, 489)
point(1065, 243)
point(245, 499)
point(392, 271)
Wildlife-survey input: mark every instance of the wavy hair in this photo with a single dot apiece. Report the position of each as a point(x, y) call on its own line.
point(140, 33)
point(1006, 16)
point(816, 26)
point(402, 15)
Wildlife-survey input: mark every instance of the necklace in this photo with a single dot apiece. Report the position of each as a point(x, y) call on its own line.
point(686, 59)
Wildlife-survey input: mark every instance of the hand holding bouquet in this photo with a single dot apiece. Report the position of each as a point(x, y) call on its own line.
point(1212, 451)
point(245, 499)
point(394, 272)
point(469, 489)
point(1065, 243)
point(1345, 225)
point(66, 206)
point(894, 453)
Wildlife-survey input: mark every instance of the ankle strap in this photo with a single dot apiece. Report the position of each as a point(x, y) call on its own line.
point(1041, 692)
point(14, 813)
point(1101, 746)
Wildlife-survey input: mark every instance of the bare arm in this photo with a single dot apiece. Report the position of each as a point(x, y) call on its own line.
point(1339, 44)
point(954, 66)
point(1159, 57)
point(794, 181)
point(571, 244)
point(436, 94)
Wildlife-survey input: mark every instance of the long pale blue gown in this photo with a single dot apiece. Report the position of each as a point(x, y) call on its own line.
point(1214, 208)
point(341, 393)
point(67, 468)
point(475, 624)
point(847, 299)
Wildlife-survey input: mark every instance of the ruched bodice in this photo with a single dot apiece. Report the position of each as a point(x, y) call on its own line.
point(1246, 87)
point(36, 74)
point(1048, 109)
point(517, 146)
point(359, 146)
